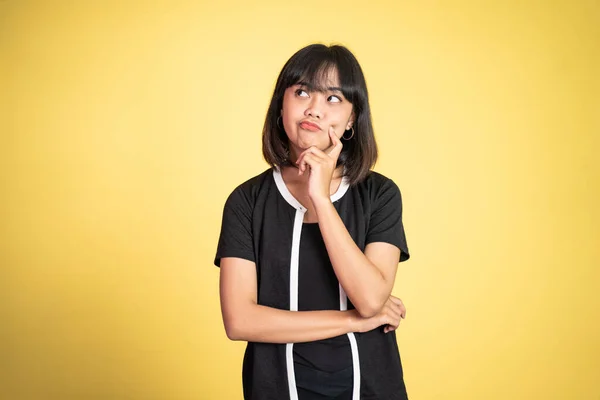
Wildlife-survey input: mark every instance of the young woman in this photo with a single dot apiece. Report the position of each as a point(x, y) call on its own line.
point(309, 249)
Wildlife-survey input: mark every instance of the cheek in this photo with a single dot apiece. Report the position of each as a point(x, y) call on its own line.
point(340, 125)
point(347, 114)
point(288, 124)
point(291, 108)
point(342, 115)
point(291, 113)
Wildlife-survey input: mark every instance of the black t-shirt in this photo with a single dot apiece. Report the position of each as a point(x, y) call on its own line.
point(263, 223)
point(323, 366)
point(318, 289)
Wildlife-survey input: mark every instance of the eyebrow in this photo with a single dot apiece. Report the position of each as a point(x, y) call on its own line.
point(311, 87)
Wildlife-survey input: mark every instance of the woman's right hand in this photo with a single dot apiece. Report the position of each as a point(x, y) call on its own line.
point(390, 315)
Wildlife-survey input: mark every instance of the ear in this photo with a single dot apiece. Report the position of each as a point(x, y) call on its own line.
point(350, 121)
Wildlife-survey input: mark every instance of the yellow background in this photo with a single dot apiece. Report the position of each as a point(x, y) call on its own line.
point(125, 124)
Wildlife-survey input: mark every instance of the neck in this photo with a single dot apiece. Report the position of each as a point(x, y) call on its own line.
point(290, 171)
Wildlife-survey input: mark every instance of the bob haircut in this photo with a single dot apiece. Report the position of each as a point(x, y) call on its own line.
point(311, 66)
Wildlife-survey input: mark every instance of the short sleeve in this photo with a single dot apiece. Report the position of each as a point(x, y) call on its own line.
point(385, 224)
point(235, 239)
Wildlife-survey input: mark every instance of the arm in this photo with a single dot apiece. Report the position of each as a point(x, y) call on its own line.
point(367, 278)
point(244, 319)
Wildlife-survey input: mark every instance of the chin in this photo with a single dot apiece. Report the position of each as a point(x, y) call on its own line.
point(305, 143)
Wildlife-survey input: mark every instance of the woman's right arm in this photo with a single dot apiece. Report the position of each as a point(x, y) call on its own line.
point(246, 320)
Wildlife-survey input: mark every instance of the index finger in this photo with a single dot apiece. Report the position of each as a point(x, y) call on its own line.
point(336, 144)
point(395, 300)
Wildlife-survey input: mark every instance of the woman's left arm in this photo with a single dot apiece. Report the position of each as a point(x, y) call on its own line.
point(366, 278)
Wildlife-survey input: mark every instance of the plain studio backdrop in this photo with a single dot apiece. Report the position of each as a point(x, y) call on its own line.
point(126, 124)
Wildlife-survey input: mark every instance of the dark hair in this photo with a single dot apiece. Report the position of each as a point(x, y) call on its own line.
point(310, 65)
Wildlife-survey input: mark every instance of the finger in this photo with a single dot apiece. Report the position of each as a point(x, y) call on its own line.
point(393, 323)
point(318, 153)
point(302, 158)
point(395, 305)
point(400, 304)
point(299, 160)
point(311, 161)
point(305, 152)
point(401, 310)
point(398, 310)
point(299, 164)
point(312, 150)
point(395, 300)
point(303, 166)
point(336, 144)
point(395, 315)
point(331, 133)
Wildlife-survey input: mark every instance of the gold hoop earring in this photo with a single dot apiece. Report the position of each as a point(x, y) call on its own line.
point(351, 136)
point(279, 119)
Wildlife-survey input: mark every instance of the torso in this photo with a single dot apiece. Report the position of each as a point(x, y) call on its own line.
point(260, 225)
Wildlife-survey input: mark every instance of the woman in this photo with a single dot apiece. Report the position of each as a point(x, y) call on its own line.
point(309, 248)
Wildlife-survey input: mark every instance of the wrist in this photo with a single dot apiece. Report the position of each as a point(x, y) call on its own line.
point(354, 321)
point(321, 202)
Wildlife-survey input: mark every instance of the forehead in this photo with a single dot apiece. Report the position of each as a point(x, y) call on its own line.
point(322, 79)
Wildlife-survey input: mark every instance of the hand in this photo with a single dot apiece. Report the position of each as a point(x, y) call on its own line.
point(390, 315)
point(322, 165)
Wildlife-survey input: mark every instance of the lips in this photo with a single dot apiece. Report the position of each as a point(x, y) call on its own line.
point(309, 126)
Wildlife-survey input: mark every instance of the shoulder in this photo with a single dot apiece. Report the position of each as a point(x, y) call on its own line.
point(247, 191)
point(377, 185)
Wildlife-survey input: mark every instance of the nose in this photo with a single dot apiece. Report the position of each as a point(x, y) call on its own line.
point(315, 107)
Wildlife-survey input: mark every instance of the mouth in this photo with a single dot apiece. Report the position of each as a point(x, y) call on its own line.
point(310, 126)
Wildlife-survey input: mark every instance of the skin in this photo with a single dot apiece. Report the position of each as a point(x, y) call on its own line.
point(367, 278)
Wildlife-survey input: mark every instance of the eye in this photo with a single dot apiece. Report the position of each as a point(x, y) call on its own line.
point(334, 99)
point(301, 93)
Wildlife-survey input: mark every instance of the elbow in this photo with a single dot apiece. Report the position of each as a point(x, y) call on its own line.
point(369, 309)
point(238, 322)
point(234, 330)
point(231, 332)
point(367, 312)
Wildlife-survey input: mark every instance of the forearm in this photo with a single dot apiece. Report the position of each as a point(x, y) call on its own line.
point(362, 281)
point(257, 323)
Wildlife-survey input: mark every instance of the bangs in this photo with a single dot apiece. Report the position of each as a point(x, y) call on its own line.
point(315, 67)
